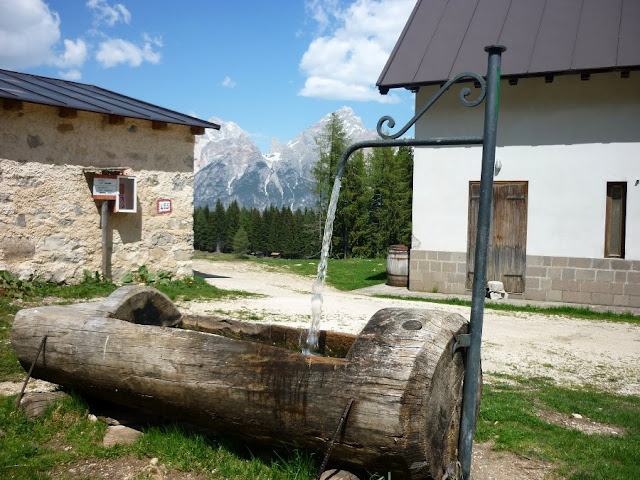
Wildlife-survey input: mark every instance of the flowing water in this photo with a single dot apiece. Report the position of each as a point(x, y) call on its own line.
point(311, 344)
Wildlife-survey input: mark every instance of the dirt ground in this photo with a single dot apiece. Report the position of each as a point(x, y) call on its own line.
point(573, 352)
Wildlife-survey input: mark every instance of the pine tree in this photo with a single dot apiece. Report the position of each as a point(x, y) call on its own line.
point(232, 223)
point(331, 143)
point(217, 227)
point(200, 220)
point(241, 241)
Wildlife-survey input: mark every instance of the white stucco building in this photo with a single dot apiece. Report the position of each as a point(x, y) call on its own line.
point(566, 223)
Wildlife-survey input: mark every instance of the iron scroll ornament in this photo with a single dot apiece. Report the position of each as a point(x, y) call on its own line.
point(464, 93)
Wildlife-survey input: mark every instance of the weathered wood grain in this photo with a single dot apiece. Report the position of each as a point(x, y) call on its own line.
point(400, 370)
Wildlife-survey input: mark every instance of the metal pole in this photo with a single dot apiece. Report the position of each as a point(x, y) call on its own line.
point(472, 363)
point(106, 248)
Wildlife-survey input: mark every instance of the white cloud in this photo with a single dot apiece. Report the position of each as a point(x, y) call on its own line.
point(115, 51)
point(74, 55)
point(228, 83)
point(345, 63)
point(28, 33)
point(107, 14)
point(73, 74)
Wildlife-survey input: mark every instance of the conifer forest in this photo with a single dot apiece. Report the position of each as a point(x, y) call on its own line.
point(373, 212)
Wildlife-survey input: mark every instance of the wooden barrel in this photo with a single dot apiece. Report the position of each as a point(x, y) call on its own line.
point(398, 266)
point(400, 376)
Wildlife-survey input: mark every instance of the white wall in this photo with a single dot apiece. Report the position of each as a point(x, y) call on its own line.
point(567, 139)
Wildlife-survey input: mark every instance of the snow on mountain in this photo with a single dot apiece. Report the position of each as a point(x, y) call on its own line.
point(229, 166)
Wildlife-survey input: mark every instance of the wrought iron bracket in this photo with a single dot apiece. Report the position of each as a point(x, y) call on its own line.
point(462, 341)
point(471, 342)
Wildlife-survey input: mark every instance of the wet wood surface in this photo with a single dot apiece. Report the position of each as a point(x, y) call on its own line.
point(405, 382)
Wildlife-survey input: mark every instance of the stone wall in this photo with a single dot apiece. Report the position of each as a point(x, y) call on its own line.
point(597, 281)
point(49, 221)
point(592, 281)
point(437, 272)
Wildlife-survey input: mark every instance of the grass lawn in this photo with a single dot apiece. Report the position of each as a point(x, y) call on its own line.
point(349, 274)
point(509, 416)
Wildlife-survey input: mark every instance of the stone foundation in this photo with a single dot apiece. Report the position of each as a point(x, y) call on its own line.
point(592, 281)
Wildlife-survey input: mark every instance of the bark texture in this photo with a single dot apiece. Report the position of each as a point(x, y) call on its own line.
point(400, 370)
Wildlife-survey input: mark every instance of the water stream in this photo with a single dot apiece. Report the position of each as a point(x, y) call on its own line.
point(311, 344)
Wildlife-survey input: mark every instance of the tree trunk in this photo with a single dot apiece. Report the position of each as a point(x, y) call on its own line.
point(401, 372)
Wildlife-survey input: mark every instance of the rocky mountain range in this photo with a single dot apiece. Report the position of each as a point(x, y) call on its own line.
point(229, 166)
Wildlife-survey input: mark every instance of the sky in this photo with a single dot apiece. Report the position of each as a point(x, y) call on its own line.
point(274, 67)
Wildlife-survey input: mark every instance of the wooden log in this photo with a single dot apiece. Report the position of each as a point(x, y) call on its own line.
point(401, 371)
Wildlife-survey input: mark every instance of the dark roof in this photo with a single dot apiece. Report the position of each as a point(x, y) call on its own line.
point(79, 96)
point(445, 37)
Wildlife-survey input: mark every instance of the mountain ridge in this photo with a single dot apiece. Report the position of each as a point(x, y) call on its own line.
point(229, 166)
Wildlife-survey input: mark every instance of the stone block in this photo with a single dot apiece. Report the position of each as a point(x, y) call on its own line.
point(595, 287)
point(605, 276)
point(538, 295)
point(459, 257)
point(415, 284)
point(457, 288)
point(602, 298)
point(620, 276)
point(579, 262)
point(617, 288)
point(620, 264)
point(559, 261)
point(183, 255)
point(576, 297)
point(587, 275)
point(418, 255)
point(449, 267)
point(631, 289)
point(601, 263)
point(634, 301)
point(633, 277)
point(562, 285)
point(621, 300)
point(431, 255)
point(554, 272)
point(17, 248)
point(536, 271)
point(569, 274)
point(554, 296)
point(545, 284)
point(534, 261)
point(533, 283)
point(444, 256)
point(435, 266)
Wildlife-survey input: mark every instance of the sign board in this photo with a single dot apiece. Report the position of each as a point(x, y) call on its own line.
point(164, 205)
point(105, 187)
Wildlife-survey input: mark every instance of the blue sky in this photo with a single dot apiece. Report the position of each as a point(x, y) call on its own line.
point(272, 66)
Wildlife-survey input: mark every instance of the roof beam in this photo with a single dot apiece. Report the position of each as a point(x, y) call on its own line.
point(12, 104)
point(66, 112)
point(158, 125)
point(197, 130)
point(116, 120)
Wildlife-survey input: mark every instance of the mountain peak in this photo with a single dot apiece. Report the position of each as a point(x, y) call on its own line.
point(231, 167)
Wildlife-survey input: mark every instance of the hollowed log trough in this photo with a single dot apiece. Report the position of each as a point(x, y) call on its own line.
point(401, 372)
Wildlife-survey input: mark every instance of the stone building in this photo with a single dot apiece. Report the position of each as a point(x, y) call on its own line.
point(92, 180)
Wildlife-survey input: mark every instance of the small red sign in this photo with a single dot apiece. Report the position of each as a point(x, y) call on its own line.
point(164, 205)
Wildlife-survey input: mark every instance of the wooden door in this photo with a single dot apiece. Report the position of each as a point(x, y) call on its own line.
point(507, 256)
